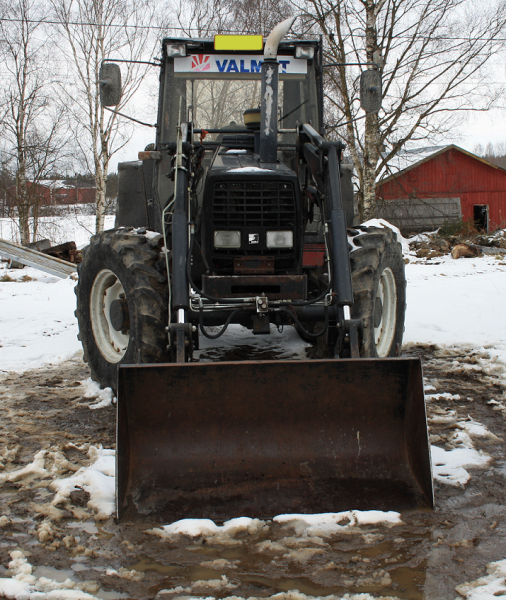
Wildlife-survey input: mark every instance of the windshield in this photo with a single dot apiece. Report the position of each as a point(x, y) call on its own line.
point(213, 100)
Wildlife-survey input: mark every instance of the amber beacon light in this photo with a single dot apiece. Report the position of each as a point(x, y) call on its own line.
point(238, 42)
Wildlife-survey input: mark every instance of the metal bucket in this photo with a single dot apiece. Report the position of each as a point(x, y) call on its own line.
point(257, 439)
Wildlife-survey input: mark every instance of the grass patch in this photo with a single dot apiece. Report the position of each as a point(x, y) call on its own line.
point(5, 278)
point(463, 228)
point(26, 278)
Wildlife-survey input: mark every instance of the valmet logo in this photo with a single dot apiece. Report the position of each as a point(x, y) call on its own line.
point(226, 63)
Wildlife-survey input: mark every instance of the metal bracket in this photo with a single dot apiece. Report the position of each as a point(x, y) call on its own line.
point(353, 328)
point(262, 304)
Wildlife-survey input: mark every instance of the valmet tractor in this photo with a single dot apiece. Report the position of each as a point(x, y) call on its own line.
point(238, 214)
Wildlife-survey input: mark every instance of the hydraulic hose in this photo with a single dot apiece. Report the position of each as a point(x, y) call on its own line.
point(215, 336)
point(305, 332)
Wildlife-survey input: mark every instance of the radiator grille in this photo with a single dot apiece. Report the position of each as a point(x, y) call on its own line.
point(253, 203)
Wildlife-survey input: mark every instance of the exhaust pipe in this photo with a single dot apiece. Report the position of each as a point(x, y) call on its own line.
point(269, 93)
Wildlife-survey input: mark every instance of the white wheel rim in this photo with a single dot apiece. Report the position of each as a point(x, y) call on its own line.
point(105, 289)
point(384, 332)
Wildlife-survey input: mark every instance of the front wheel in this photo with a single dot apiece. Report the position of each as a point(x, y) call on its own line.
point(379, 290)
point(121, 303)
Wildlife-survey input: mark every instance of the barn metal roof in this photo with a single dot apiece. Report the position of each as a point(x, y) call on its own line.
point(407, 160)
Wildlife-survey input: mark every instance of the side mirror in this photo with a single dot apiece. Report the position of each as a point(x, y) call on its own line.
point(110, 84)
point(370, 91)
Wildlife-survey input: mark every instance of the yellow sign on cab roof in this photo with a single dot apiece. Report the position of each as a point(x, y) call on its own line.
point(238, 42)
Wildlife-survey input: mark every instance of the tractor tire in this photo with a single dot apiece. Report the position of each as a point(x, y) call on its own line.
point(379, 290)
point(121, 303)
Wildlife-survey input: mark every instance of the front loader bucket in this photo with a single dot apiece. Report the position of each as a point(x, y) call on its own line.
point(258, 439)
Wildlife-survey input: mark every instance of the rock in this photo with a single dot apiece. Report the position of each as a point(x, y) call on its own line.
point(443, 245)
point(465, 251)
point(79, 497)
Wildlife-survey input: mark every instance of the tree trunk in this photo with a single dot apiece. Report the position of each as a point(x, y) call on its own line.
point(22, 201)
point(371, 138)
point(100, 180)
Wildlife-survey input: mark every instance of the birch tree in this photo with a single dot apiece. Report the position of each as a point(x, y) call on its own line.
point(433, 55)
point(93, 31)
point(204, 18)
point(32, 140)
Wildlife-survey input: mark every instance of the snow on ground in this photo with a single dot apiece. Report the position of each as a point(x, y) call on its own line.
point(37, 322)
point(97, 479)
point(23, 585)
point(328, 524)
point(452, 302)
point(74, 227)
point(448, 466)
point(104, 397)
point(489, 587)
point(217, 584)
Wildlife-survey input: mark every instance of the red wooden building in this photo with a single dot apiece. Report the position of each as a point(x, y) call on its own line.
point(450, 176)
point(55, 192)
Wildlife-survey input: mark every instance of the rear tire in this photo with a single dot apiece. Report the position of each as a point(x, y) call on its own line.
point(121, 265)
point(379, 290)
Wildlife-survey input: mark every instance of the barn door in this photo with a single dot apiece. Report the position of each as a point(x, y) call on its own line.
point(480, 216)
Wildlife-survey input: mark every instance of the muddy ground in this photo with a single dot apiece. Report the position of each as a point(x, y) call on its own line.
point(424, 557)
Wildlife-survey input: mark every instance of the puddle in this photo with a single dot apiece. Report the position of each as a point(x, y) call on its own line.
point(102, 533)
point(86, 526)
point(145, 564)
point(110, 595)
point(60, 575)
point(410, 581)
point(348, 564)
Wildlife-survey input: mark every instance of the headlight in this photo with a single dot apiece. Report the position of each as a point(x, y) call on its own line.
point(280, 239)
point(304, 52)
point(176, 50)
point(227, 239)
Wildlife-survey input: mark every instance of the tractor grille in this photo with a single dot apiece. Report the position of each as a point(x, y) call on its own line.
point(253, 204)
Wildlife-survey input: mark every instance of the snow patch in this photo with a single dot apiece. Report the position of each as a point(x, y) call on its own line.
point(441, 396)
point(489, 587)
point(23, 585)
point(477, 430)
point(220, 564)
point(450, 466)
point(327, 524)
point(219, 534)
point(291, 595)
point(35, 468)
point(213, 584)
point(250, 170)
point(147, 233)
point(382, 223)
point(104, 396)
point(98, 480)
point(122, 573)
point(303, 555)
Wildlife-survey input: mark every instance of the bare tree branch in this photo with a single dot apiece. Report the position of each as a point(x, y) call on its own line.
point(435, 55)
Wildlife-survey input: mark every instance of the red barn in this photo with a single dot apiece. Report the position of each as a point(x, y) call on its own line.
point(55, 192)
point(444, 186)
